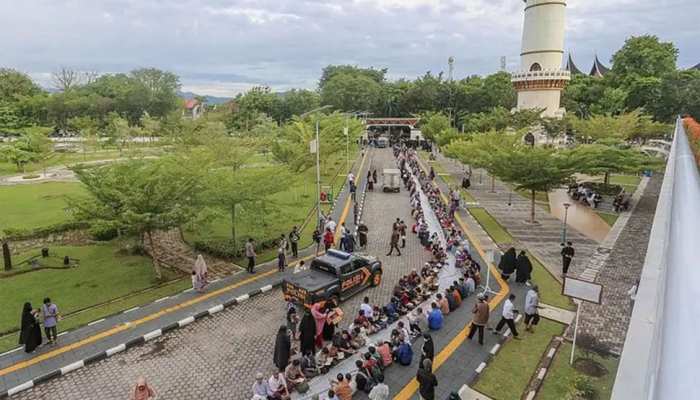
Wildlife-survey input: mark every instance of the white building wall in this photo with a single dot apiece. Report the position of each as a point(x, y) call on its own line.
point(543, 34)
point(548, 99)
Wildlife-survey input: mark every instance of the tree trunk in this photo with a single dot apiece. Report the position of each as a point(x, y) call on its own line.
point(606, 179)
point(532, 207)
point(154, 256)
point(493, 184)
point(6, 255)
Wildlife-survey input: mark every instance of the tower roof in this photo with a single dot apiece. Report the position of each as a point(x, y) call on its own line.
point(696, 67)
point(598, 68)
point(571, 67)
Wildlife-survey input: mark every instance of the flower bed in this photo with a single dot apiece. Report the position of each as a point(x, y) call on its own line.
point(693, 129)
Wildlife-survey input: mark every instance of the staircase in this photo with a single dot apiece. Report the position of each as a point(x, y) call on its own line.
point(174, 253)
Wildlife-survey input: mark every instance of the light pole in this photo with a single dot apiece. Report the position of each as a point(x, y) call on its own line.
point(566, 214)
point(316, 148)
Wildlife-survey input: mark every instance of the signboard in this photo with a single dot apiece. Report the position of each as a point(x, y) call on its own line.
point(582, 290)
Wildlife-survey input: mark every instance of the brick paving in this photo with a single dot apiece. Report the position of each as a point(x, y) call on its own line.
point(218, 357)
point(608, 322)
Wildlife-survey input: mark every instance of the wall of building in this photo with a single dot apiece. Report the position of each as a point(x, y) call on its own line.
point(540, 98)
point(543, 34)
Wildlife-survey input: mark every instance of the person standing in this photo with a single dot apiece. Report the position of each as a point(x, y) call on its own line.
point(307, 333)
point(567, 254)
point(480, 319)
point(142, 391)
point(283, 348)
point(317, 237)
point(30, 332)
point(330, 224)
point(507, 317)
point(362, 232)
point(294, 241)
point(250, 253)
point(428, 350)
point(201, 271)
point(282, 254)
point(50, 313)
point(394, 242)
point(374, 176)
point(532, 304)
point(328, 239)
point(427, 381)
point(508, 263)
point(523, 268)
point(402, 232)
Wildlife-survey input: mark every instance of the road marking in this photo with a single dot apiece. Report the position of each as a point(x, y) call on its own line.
point(11, 351)
point(128, 325)
point(62, 333)
point(216, 309)
point(407, 392)
point(131, 309)
point(185, 321)
point(152, 335)
point(161, 299)
point(95, 322)
point(72, 367)
point(115, 350)
point(17, 389)
point(480, 368)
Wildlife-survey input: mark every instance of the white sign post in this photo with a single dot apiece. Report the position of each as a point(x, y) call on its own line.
point(580, 291)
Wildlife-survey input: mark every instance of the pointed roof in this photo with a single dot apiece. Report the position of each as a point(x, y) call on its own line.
point(571, 67)
point(696, 67)
point(598, 68)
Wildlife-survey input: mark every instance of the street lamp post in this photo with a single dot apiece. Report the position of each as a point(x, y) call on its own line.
point(317, 149)
point(566, 214)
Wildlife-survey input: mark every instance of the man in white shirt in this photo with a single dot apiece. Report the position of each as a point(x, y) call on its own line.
point(508, 317)
point(351, 178)
point(532, 304)
point(380, 391)
point(367, 308)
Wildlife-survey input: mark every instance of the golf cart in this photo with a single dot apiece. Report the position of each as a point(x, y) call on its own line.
point(391, 180)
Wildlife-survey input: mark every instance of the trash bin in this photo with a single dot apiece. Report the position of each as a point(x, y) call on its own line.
point(45, 252)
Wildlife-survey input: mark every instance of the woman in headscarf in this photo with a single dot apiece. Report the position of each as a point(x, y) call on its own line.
point(333, 316)
point(507, 263)
point(283, 348)
point(320, 319)
point(142, 391)
point(524, 268)
point(201, 270)
point(307, 333)
point(30, 333)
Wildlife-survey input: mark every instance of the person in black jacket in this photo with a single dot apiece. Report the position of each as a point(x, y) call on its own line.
point(283, 348)
point(427, 381)
point(30, 333)
point(428, 352)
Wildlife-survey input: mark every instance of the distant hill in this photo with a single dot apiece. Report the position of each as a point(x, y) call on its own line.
point(210, 99)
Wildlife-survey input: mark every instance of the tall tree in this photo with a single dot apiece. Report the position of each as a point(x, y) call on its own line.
point(642, 57)
point(351, 92)
point(15, 85)
point(596, 159)
point(65, 79)
point(376, 75)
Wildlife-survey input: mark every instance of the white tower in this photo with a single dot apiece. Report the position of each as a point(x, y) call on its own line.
point(541, 79)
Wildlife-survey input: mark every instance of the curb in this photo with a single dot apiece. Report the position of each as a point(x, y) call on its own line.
point(136, 341)
point(543, 368)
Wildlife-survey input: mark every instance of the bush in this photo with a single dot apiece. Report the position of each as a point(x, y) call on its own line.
point(21, 234)
point(584, 388)
point(603, 189)
point(103, 233)
point(32, 176)
point(227, 249)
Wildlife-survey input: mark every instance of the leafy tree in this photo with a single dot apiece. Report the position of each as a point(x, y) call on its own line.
point(678, 95)
point(434, 124)
point(141, 197)
point(32, 145)
point(599, 127)
point(160, 88)
point(643, 56)
point(348, 92)
point(376, 75)
point(596, 159)
point(294, 102)
point(14, 85)
point(556, 127)
point(87, 128)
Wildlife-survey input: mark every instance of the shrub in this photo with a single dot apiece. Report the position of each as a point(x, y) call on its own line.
point(584, 388)
point(32, 176)
point(21, 234)
point(102, 232)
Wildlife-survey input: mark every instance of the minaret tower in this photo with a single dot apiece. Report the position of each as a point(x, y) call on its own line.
point(541, 78)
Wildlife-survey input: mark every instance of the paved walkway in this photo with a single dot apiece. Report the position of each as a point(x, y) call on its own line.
point(580, 217)
point(543, 238)
point(102, 338)
point(620, 270)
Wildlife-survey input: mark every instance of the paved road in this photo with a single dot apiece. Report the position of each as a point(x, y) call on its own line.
point(218, 356)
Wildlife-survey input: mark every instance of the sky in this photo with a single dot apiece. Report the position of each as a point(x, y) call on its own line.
point(223, 47)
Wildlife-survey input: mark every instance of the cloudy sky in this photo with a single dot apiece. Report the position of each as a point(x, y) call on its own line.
point(221, 47)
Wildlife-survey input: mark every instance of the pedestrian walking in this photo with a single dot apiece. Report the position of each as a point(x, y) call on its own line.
point(283, 348)
point(480, 319)
point(282, 254)
point(567, 255)
point(402, 232)
point(201, 272)
point(250, 253)
point(427, 381)
point(142, 391)
point(507, 317)
point(328, 239)
point(317, 238)
point(508, 263)
point(370, 182)
point(428, 350)
point(394, 242)
point(353, 190)
point(30, 330)
point(532, 305)
point(49, 311)
point(523, 268)
point(294, 241)
point(330, 224)
point(362, 233)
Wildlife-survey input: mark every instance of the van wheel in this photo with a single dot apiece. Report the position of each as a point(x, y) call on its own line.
point(377, 278)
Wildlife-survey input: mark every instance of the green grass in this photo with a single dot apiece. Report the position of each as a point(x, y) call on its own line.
point(491, 226)
point(36, 205)
point(550, 288)
point(608, 218)
point(507, 376)
point(103, 275)
point(560, 379)
point(625, 180)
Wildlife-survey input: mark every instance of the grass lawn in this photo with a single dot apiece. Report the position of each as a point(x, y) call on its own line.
point(550, 288)
point(491, 226)
point(36, 205)
point(629, 181)
point(103, 275)
point(609, 218)
point(559, 381)
point(508, 375)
